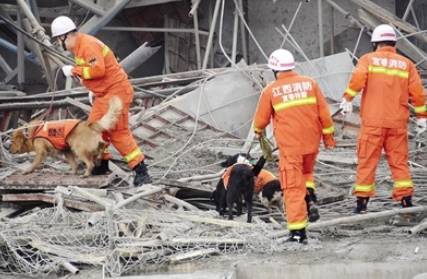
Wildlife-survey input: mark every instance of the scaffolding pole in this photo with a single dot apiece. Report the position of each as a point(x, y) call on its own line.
point(243, 35)
point(20, 52)
point(197, 37)
point(97, 10)
point(235, 33)
point(320, 22)
point(408, 9)
point(96, 23)
point(211, 34)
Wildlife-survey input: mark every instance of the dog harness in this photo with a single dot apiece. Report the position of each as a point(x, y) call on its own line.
point(56, 132)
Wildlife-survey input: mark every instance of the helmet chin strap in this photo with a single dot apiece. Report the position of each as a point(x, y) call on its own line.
point(63, 42)
point(374, 46)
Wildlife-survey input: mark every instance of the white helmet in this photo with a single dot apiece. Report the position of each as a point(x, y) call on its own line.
point(281, 60)
point(62, 25)
point(383, 33)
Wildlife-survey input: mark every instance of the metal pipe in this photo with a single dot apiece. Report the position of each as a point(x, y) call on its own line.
point(291, 24)
point(358, 40)
point(152, 29)
point(195, 5)
point(138, 57)
point(243, 36)
point(197, 37)
point(408, 9)
point(37, 28)
point(211, 34)
point(235, 33)
point(90, 6)
point(332, 50)
point(3, 64)
point(11, 47)
point(96, 23)
point(242, 19)
point(21, 54)
point(320, 23)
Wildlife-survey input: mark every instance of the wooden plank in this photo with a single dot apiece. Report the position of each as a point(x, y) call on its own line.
point(80, 205)
point(44, 180)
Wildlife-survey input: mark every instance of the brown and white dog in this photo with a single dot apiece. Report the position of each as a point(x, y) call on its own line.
point(73, 138)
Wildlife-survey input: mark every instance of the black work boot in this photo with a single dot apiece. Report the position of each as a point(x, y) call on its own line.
point(406, 202)
point(298, 236)
point(101, 169)
point(141, 175)
point(312, 210)
point(361, 205)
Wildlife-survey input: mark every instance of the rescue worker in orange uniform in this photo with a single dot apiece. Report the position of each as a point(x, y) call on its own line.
point(387, 82)
point(301, 118)
point(98, 69)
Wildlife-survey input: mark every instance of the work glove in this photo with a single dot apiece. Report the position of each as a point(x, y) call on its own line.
point(90, 97)
point(421, 125)
point(346, 106)
point(67, 70)
point(329, 141)
point(258, 133)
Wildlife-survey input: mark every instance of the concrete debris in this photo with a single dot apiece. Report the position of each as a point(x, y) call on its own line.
point(187, 123)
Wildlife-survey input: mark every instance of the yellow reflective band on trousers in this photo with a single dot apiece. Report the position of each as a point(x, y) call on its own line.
point(297, 225)
point(364, 188)
point(329, 130)
point(403, 184)
point(86, 73)
point(105, 51)
point(388, 71)
point(310, 184)
point(79, 61)
point(133, 155)
point(295, 103)
point(351, 92)
point(420, 109)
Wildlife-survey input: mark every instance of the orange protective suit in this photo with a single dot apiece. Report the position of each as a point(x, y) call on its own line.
point(300, 118)
point(97, 66)
point(389, 81)
point(56, 132)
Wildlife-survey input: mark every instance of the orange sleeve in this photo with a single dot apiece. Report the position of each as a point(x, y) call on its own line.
point(94, 66)
point(416, 91)
point(324, 114)
point(264, 111)
point(358, 79)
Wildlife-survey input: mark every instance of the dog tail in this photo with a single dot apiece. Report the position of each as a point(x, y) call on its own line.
point(110, 118)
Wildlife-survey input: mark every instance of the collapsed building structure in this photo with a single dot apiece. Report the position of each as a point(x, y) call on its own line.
point(197, 68)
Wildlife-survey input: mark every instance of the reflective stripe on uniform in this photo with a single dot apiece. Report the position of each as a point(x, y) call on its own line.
point(86, 73)
point(295, 103)
point(403, 184)
point(420, 109)
point(105, 51)
point(133, 155)
point(329, 130)
point(364, 188)
point(297, 225)
point(310, 184)
point(79, 61)
point(388, 71)
point(351, 92)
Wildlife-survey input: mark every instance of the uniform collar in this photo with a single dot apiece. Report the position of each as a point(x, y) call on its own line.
point(78, 39)
point(286, 74)
point(387, 49)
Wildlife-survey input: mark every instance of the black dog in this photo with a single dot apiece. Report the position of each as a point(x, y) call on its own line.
point(241, 183)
